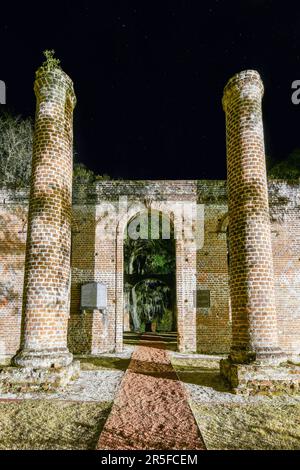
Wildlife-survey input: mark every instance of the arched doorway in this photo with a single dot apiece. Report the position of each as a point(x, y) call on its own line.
point(149, 274)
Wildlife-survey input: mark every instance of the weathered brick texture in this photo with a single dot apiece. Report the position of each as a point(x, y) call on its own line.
point(285, 229)
point(214, 322)
point(13, 228)
point(96, 332)
point(93, 332)
point(254, 322)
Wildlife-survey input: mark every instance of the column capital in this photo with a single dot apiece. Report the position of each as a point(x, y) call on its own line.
point(48, 80)
point(247, 83)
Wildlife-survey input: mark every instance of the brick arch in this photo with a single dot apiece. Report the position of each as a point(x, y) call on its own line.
point(223, 227)
point(185, 252)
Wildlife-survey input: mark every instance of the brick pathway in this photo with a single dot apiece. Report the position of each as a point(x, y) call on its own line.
point(151, 410)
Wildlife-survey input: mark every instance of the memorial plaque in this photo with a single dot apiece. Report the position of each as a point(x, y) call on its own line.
point(93, 296)
point(202, 298)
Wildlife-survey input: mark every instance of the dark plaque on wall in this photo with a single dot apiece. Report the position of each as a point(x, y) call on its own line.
point(202, 298)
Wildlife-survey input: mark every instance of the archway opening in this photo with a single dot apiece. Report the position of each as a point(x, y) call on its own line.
point(150, 277)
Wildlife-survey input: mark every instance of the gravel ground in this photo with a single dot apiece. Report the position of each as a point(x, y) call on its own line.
point(230, 422)
point(152, 408)
point(95, 385)
point(72, 418)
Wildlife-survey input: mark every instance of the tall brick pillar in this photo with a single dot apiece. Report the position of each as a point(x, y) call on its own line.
point(47, 265)
point(254, 325)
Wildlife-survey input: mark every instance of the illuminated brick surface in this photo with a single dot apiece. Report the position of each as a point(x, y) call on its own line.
point(47, 263)
point(256, 320)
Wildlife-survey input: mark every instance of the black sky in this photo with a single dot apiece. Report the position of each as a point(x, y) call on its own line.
point(149, 76)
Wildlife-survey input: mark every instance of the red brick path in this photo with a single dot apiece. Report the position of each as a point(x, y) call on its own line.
point(151, 410)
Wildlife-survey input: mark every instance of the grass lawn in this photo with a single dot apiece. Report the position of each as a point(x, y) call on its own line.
point(51, 424)
point(231, 422)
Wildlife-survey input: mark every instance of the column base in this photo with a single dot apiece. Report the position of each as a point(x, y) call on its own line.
point(43, 359)
point(28, 379)
point(268, 356)
point(33, 371)
point(261, 378)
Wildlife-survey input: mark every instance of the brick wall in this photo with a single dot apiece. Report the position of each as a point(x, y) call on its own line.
point(94, 332)
point(214, 323)
point(82, 271)
point(13, 229)
point(106, 265)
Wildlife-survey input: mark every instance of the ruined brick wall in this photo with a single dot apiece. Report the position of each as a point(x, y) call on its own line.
point(214, 322)
point(93, 259)
point(284, 201)
point(82, 271)
point(91, 332)
point(104, 331)
point(13, 229)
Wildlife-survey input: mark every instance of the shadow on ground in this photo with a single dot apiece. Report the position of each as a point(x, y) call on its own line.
point(158, 340)
point(153, 369)
point(104, 362)
point(198, 371)
point(204, 377)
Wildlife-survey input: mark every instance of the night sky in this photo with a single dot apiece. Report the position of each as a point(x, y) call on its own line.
point(149, 76)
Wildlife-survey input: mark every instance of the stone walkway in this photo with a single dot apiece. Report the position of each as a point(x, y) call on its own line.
point(151, 410)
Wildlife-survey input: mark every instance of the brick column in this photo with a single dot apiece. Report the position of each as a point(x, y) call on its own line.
point(47, 265)
point(254, 325)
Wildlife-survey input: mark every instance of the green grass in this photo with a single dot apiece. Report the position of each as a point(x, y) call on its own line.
point(265, 425)
point(51, 424)
point(104, 362)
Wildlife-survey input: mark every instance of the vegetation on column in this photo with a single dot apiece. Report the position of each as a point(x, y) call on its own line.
point(51, 63)
point(149, 298)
